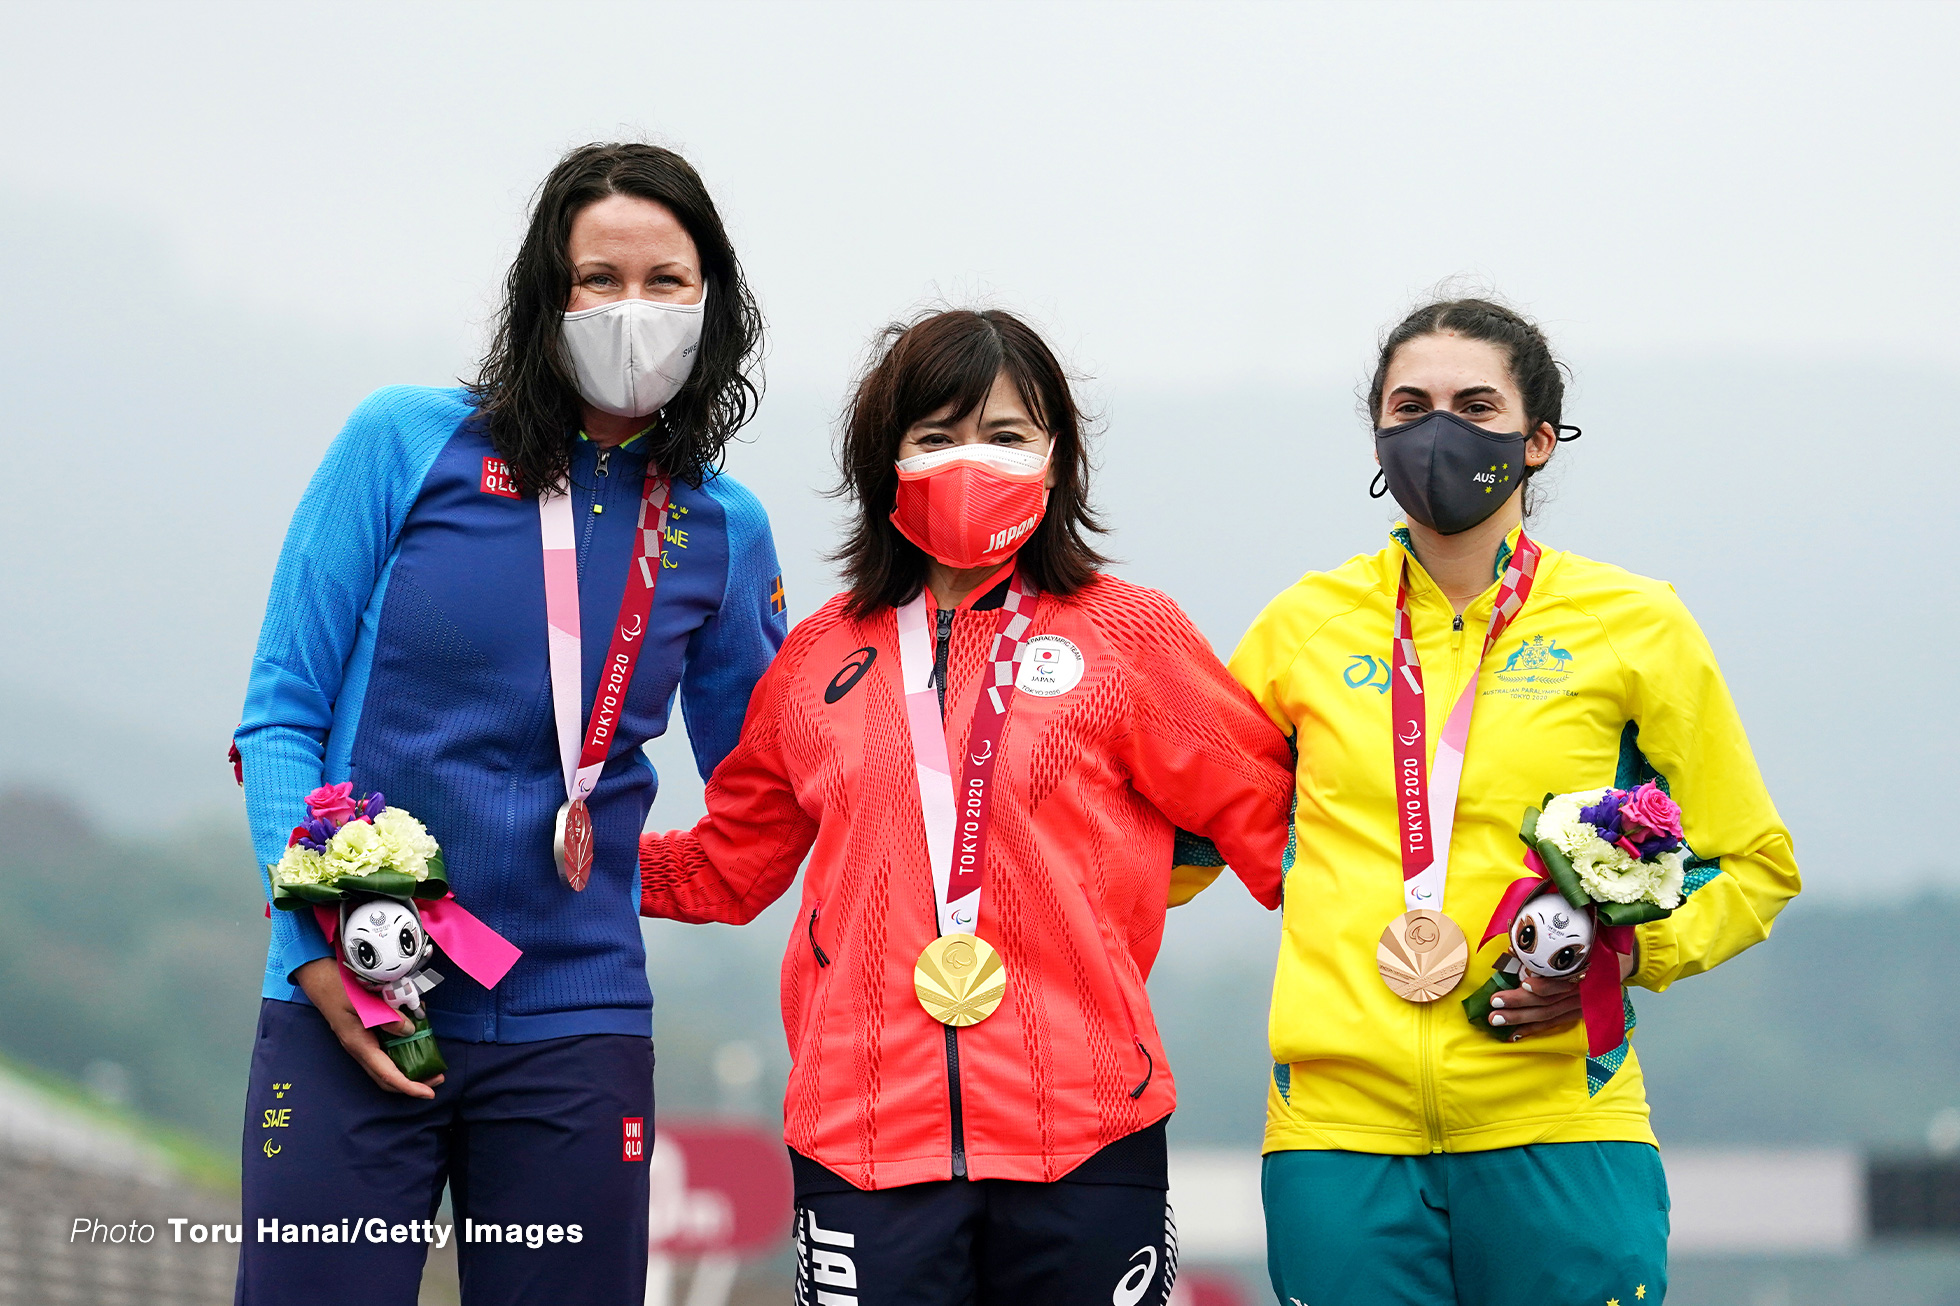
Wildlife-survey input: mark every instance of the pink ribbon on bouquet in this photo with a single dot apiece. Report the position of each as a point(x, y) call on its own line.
point(483, 954)
point(1600, 1002)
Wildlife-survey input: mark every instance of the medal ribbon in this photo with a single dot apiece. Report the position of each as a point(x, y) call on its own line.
point(956, 825)
point(582, 767)
point(1426, 805)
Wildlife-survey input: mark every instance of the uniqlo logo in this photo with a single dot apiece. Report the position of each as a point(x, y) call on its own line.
point(632, 1138)
point(498, 480)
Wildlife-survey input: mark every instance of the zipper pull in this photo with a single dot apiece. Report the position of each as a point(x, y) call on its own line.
point(605, 456)
point(1456, 622)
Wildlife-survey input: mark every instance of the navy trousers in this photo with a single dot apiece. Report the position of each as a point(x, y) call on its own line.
point(543, 1146)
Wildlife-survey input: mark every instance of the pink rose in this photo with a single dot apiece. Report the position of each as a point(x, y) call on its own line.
point(1649, 807)
point(332, 802)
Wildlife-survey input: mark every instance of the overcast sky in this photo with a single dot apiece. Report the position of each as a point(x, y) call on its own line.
point(224, 224)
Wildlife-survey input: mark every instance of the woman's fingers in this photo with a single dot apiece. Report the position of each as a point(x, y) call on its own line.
point(1539, 1007)
point(365, 1049)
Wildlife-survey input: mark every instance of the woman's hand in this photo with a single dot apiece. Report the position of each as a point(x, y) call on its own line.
point(319, 979)
point(1544, 1006)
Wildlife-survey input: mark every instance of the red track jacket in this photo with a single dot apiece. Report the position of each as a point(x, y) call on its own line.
point(1090, 787)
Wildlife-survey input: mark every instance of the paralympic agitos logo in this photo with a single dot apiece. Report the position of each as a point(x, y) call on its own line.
point(850, 673)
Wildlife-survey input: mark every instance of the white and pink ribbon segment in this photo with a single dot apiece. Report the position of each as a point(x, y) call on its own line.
point(582, 766)
point(956, 822)
point(1427, 803)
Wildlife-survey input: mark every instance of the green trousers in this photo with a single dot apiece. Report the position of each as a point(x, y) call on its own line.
point(1556, 1224)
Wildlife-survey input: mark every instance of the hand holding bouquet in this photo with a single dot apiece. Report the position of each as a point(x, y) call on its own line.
point(374, 878)
point(1602, 861)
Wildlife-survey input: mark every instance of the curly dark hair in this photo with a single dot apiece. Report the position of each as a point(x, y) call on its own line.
point(526, 388)
point(953, 357)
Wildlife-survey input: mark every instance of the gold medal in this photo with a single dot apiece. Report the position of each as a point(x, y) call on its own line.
point(960, 979)
point(1422, 955)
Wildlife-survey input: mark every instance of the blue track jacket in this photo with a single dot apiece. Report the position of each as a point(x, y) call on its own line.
point(404, 650)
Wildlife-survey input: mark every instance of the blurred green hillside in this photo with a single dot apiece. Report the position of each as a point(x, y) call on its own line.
point(135, 967)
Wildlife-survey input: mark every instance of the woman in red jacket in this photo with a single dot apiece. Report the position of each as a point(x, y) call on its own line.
point(986, 748)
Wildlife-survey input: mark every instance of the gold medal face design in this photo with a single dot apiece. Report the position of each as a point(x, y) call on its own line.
point(1422, 955)
point(960, 979)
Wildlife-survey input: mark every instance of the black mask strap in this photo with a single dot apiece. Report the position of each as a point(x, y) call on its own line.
point(1379, 486)
point(1563, 438)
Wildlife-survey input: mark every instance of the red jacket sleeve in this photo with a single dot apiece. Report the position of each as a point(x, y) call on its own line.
point(1204, 752)
point(745, 851)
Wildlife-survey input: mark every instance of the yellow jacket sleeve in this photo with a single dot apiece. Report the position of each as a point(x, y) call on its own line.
point(1688, 730)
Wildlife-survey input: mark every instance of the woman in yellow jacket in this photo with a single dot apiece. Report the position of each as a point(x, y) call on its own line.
point(1411, 1157)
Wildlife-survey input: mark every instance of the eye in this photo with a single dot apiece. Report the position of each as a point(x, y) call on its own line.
point(1528, 935)
point(1565, 958)
point(407, 942)
point(364, 954)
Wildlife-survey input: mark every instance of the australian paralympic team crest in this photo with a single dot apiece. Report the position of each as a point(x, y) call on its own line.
point(1537, 669)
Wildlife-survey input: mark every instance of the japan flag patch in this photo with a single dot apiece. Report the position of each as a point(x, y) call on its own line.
point(1051, 666)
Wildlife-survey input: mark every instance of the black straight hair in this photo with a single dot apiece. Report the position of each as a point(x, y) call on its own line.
point(526, 388)
point(953, 357)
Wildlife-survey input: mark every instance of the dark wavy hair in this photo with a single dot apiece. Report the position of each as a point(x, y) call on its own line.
point(953, 357)
point(1537, 371)
point(526, 388)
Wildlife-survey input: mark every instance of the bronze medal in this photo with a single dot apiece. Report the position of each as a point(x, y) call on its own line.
point(1422, 955)
point(960, 979)
point(571, 844)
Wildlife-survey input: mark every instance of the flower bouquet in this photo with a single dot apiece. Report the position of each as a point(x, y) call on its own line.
point(361, 866)
point(1602, 862)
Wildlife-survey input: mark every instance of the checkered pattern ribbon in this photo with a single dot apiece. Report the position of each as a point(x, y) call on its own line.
point(956, 823)
point(1425, 803)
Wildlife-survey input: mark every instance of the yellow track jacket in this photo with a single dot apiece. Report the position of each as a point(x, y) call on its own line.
point(1603, 679)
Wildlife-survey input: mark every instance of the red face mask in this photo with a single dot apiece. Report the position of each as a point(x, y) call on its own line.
point(972, 505)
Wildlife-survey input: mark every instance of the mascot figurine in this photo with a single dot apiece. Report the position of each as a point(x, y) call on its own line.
point(383, 945)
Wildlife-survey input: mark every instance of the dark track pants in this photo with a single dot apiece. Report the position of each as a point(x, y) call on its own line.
point(987, 1242)
point(527, 1135)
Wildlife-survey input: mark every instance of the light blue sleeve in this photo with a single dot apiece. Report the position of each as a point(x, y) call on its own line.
point(731, 650)
point(341, 538)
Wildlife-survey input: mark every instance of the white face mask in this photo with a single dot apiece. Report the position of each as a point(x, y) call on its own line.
point(633, 355)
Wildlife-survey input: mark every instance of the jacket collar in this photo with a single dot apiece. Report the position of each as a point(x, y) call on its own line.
point(1420, 584)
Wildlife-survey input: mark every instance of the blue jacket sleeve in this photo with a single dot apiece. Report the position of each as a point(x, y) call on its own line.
point(731, 650)
point(341, 537)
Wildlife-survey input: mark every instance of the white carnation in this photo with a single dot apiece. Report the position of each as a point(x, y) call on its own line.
point(1560, 822)
point(355, 849)
point(406, 842)
point(1666, 890)
point(299, 866)
point(1610, 874)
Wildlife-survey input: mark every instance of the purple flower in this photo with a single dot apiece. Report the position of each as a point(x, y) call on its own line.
point(1604, 815)
point(371, 806)
point(315, 833)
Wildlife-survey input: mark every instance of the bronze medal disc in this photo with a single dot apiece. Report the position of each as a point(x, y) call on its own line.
point(572, 844)
point(960, 979)
point(1422, 955)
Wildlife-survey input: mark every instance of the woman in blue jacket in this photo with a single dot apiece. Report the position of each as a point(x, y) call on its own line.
point(405, 650)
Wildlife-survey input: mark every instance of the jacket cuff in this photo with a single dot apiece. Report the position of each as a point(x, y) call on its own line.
point(1659, 952)
point(302, 942)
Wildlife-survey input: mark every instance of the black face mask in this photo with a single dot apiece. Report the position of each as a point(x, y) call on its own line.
point(1449, 474)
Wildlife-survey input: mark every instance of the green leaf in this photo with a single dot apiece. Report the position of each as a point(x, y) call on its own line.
point(1631, 913)
point(298, 897)
point(392, 884)
point(1560, 869)
point(1528, 831)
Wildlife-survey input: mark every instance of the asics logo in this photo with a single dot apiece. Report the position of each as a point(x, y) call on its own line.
point(850, 673)
point(1131, 1287)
